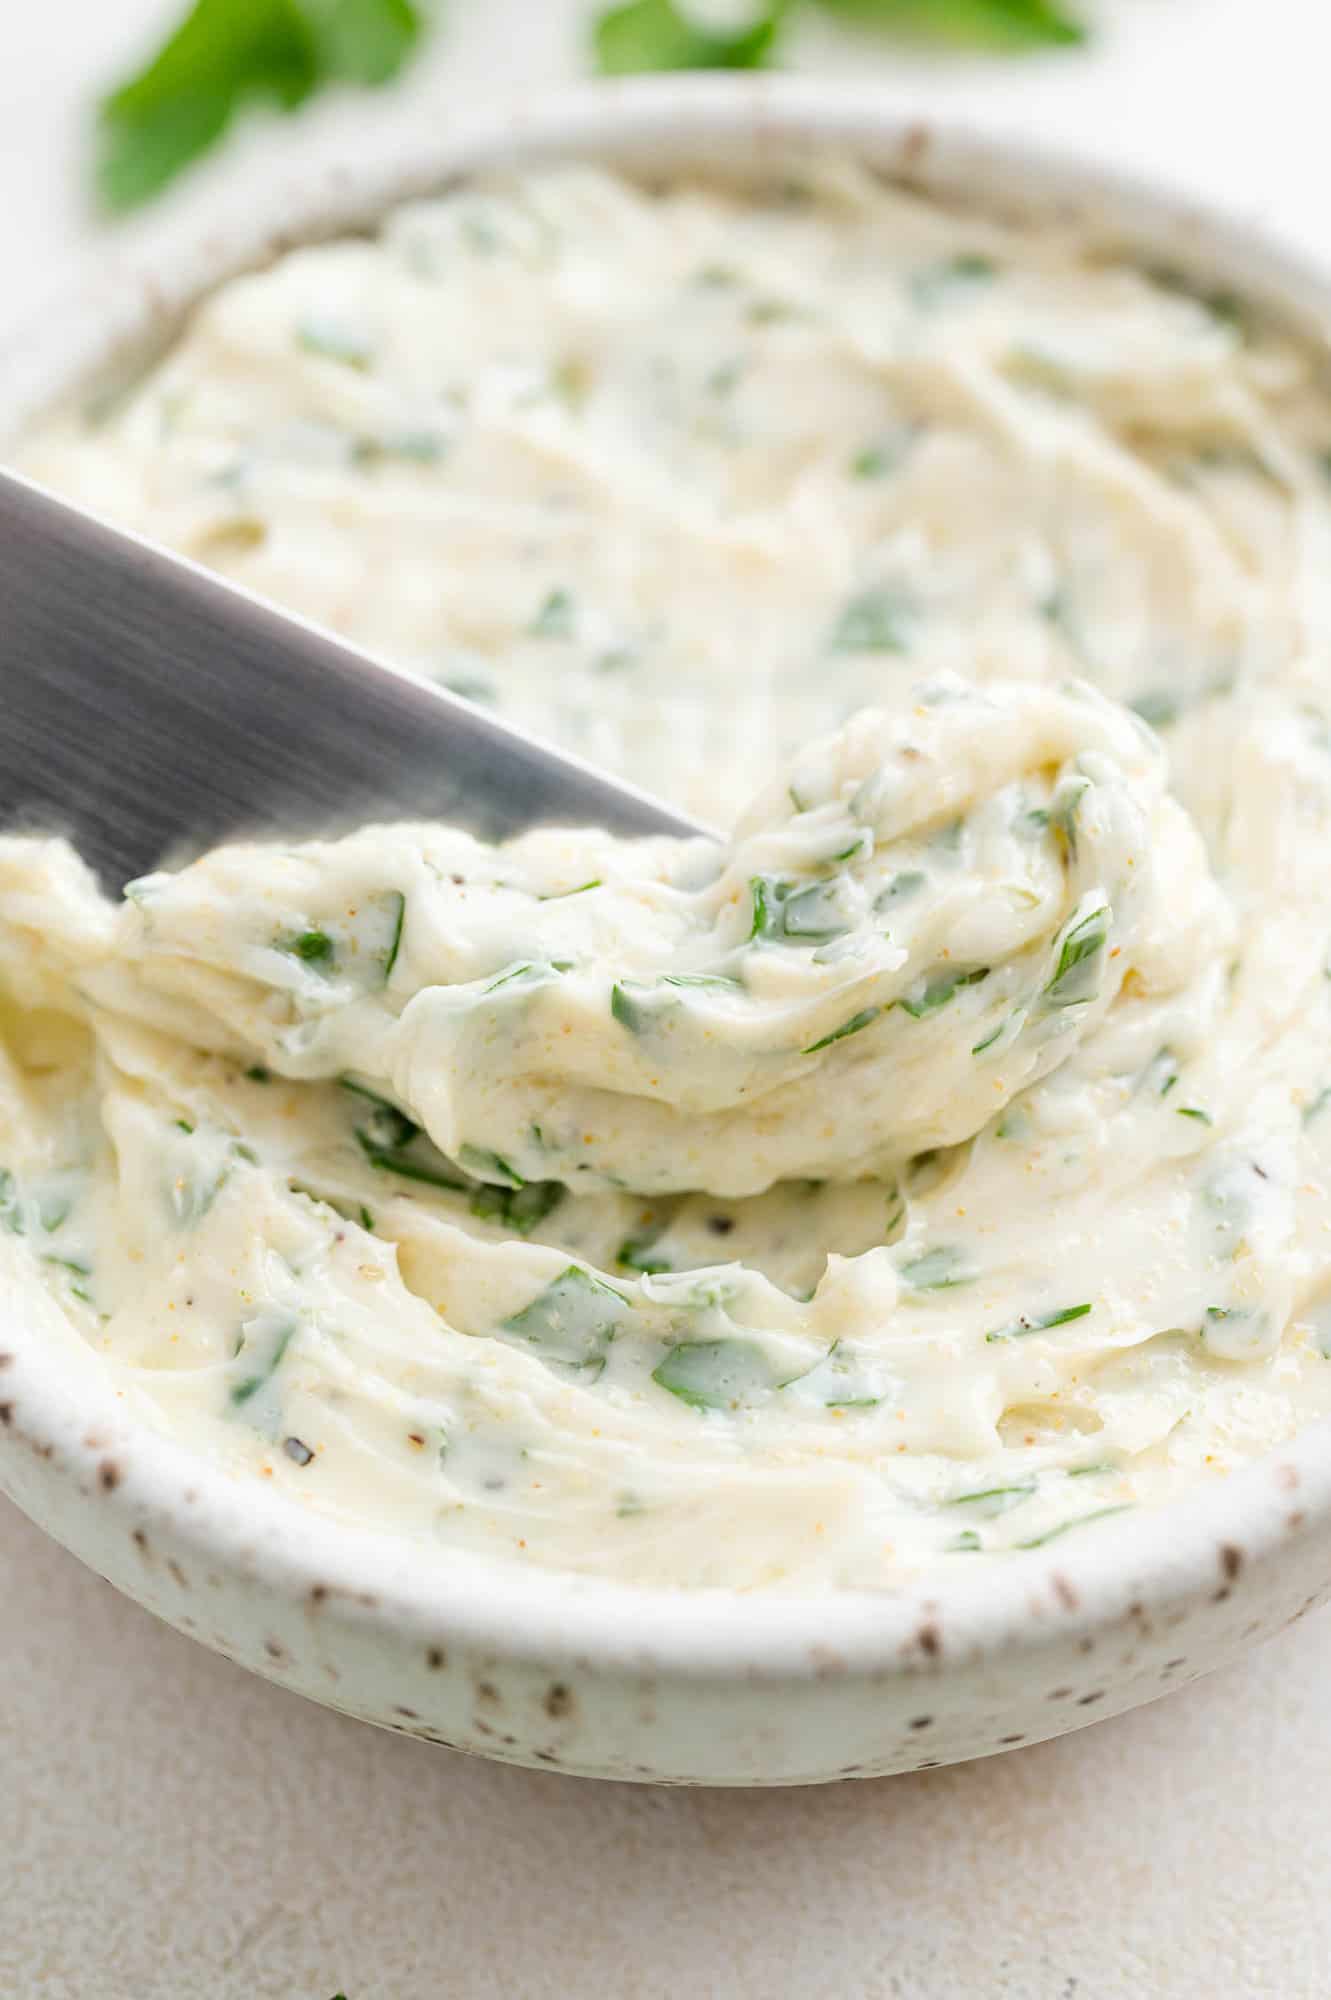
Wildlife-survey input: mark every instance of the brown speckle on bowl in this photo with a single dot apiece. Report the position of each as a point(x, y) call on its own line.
point(922, 1722)
point(558, 1701)
point(487, 1691)
point(177, 1574)
point(108, 1475)
point(1085, 1700)
point(436, 1659)
point(275, 1650)
point(6, 1414)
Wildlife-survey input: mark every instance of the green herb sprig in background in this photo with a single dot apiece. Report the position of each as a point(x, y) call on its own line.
point(228, 56)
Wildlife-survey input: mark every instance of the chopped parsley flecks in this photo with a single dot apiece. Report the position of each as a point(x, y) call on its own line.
point(937, 988)
point(937, 1270)
point(520, 1208)
point(987, 1501)
point(398, 906)
point(864, 1019)
point(312, 947)
point(1077, 970)
point(571, 1324)
point(877, 621)
point(555, 618)
point(716, 1374)
point(333, 340)
point(1017, 1329)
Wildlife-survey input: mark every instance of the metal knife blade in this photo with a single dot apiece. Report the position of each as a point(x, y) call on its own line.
point(150, 709)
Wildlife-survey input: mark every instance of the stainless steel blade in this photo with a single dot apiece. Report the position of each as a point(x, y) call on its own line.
point(149, 708)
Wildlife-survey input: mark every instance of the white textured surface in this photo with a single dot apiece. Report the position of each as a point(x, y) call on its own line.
point(169, 1826)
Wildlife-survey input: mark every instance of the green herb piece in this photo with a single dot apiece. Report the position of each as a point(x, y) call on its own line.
point(996, 1034)
point(256, 1073)
point(1193, 1111)
point(900, 889)
point(709, 981)
point(226, 55)
point(518, 1208)
point(938, 283)
point(656, 34)
point(530, 973)
point(395, 941)
point(1317, 1106)
point(937, 988)
point(389, 1126)
point(489, 1167)
point(427, 1166)
point(1235, 1333)
point(715, 1374)
point(182, 1125)
point(1077, 973)
point(366, 1219)
point(817, 912)
point(1161, 1073)
point(264, 1341)
point(562, 895)
point(768, 894)
point(78, 1272)
point(1065, 805)
point(1013, 25)
point(414, 447)
point(312, 947)
point(332, 341)
point(52, 1210)
point(877, 621)
point(571, 1323)
point(191, 1196)
point(967, 1543)
point(1080, 1521)
point(1228, 1197)
point(1040, 1324)
point(627, 1011)
point(843, 1380)
point(1158, 706)
point(638, 1253)
point(937, 1270)
point(555, 618)
point(850, 1027)
point(876, 461)
point(989, 1501)
point(1091, 1471)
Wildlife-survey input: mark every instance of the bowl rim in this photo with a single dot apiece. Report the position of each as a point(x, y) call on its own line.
point(1144, 1559)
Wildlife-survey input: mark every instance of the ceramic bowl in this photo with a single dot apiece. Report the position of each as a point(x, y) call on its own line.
point(537, 1668)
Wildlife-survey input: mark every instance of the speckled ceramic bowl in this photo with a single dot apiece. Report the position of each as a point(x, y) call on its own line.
point(537, 1668)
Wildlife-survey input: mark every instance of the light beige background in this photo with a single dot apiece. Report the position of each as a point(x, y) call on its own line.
point(171, 1828)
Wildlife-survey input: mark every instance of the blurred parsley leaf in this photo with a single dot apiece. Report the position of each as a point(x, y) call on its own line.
point(1013, 24)
point(659, 34)
point(229, 54)
point(654, 34)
